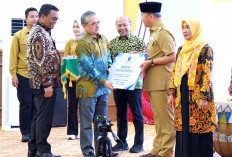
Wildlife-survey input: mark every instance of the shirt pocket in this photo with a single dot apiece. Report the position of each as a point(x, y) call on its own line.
point(153, 48)
point(23, 46)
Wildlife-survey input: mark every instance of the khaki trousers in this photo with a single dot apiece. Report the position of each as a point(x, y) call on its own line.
point(163, 117)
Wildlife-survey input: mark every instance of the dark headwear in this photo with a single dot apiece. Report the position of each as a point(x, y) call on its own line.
point(150, 7)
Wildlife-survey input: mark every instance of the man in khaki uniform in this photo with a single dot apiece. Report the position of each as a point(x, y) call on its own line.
point(157, 67)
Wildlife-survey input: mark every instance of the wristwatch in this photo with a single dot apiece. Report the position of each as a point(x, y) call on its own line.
point(152, 63)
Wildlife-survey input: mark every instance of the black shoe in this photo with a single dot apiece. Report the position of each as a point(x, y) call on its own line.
point(120, 147)
point(90, 154)
point(148, 155)
point(31, 154)
point(46, 155)
point(25, 138)
point(136, 149)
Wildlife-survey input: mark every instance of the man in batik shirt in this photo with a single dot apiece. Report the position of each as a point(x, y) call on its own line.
point(128, 43)
point(44, 76)
point(93, 63)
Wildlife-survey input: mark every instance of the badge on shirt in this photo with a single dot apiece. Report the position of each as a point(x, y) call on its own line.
point(152, 38)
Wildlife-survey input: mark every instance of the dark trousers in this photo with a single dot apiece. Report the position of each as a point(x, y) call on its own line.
point(42, 122)
point(72, 128)
point(191, 144)
point(26, 105)
point(132, 97)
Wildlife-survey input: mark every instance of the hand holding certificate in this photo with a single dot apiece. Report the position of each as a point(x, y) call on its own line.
point(125, 70)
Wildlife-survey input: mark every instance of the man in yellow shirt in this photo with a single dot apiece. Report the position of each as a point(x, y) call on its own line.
point(19, 73)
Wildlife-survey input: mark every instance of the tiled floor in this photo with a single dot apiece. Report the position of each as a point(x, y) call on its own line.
point(10, 145)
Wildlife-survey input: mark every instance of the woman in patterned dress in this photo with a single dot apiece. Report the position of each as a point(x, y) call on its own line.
point(191, 86)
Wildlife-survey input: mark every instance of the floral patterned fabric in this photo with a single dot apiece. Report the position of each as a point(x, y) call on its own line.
point(192, 67)
point(200, 120)
point(93, 63)
point(43, 58)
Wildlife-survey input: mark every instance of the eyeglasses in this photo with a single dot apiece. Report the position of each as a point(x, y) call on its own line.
point(95, 23)
point(54, 19)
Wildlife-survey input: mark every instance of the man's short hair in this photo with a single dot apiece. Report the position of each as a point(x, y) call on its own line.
point(85, 17)
point(28, 10)
point(158, 15)
point(45, 9)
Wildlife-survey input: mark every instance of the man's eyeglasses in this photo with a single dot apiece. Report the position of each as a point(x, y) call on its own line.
point(54, 19)
point(95, 23)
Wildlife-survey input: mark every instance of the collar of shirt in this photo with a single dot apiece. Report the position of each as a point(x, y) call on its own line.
point(26, 30)
point(125, 37)
point(157, 26)
point(45, 27)
point(91, 37)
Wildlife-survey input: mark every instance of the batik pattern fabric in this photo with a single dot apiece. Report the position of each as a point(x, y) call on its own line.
point(43, 58)
point(93, 63)
point(126, 44)
point(192, 67)
point(200, 120)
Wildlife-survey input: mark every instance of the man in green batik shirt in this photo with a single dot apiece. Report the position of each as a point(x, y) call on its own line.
point(128, 43)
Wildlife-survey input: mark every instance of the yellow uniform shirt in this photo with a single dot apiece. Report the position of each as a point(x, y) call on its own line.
point(161, 43)
point(18, 54)
point(70, 47)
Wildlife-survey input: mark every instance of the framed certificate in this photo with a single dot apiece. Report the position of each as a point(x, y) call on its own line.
point(125, 70)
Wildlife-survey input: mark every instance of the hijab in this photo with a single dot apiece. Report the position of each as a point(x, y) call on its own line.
point(188, 56)
point(75, 38)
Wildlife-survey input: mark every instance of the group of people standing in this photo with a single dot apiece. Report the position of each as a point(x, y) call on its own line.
point(181, 94)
